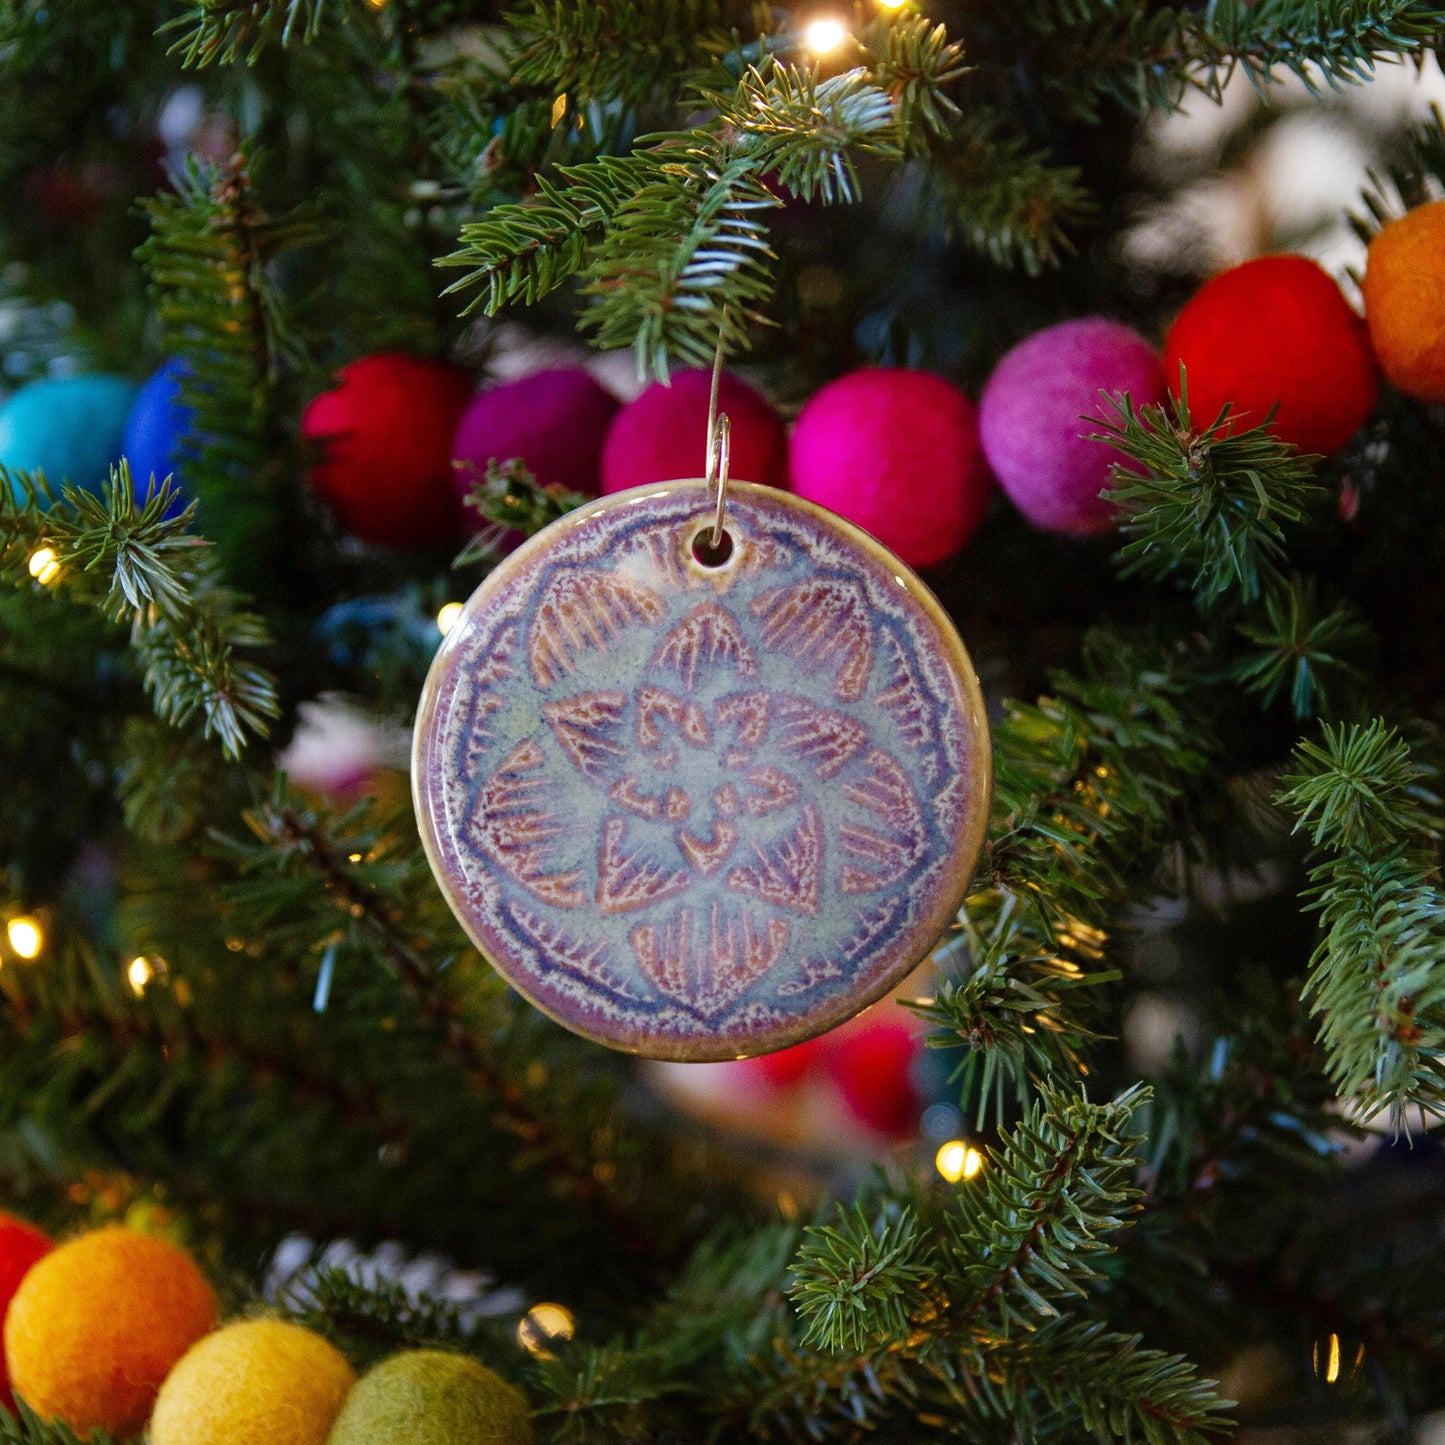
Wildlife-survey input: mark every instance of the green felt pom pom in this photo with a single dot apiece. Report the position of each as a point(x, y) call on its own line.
point(428, 1397)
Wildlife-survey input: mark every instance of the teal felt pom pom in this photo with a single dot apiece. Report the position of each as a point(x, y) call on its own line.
point(72, 429)
point(428, 1397)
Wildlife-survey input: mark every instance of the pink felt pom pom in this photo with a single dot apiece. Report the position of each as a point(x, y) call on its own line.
point(896, 452)
point(556, 421)
point(662, 436)
point(1031, 418)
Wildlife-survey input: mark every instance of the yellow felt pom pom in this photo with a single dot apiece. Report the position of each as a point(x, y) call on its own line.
point(260, 1382)
point(428, 1397)
point(1404, 291)
point(97, 1324)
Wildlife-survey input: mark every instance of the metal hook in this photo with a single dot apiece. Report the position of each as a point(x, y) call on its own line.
point(719, 444)
point(719, 451)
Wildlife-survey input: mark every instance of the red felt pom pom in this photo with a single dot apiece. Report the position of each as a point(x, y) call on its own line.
point(1276, 330)
point(783, 1069)
point(896, 452)
point(662, 435)
point(21, 1245)
point(872, 1068)
point(555, 421)
point(387, 430)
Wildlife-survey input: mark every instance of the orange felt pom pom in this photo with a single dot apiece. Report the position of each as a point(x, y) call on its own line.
point(1276, 331)
point(1405, 301)
point(97, 1325)
point(21, 1245)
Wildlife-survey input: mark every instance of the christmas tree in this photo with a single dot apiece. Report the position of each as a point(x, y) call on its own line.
point(1186, 1033)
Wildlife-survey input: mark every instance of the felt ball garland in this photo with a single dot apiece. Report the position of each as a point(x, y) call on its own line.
point(1032, 418)
point(1275, 331)
point(429, 1397)
point(662, 435)
point(1404, 290)
point(256, 1382)
point(897, 453)
point(155, 431)
point(97, 1325)
point(556, 421)
point(71, 428)
point(21, 1245)
point(385, 434)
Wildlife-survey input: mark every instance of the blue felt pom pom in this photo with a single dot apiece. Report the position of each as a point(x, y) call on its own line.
point(156, 432)
point(69, 428)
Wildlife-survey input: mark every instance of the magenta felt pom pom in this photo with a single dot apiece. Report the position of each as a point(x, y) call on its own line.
point(1030, 418)
point(896, 452)
point(662, 436)
point(555, 421)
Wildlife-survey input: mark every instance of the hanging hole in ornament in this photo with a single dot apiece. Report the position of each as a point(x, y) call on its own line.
point(709, 553)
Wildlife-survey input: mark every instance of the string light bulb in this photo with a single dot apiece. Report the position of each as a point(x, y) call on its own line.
point(44, 565)
point(26, 936)
point(447, 617)
point(825, 35)
point(542, 1324)
point(893, 4)
point(139, 974)
point(957, 1160)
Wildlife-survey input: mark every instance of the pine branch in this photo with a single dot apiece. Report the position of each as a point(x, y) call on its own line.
point(208, 260)
point(128, 561)
point(224, 31)
point(1208, 500)
point(1118, 1390)
point(27, 1428)
point(858, 1284)
point(511, 500)
point(520, 253)
point(994, 193)
point(618, 52)
point(913, 61)
point(1051, 1195)
point(1086, 784)
point(1303, 649)
point(1378, 975)
point(685, 259)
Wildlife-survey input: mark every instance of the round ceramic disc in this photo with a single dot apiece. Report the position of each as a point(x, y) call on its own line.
point(702, 812)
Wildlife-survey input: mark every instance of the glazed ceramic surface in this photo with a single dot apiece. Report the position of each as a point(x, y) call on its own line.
point(702, 812)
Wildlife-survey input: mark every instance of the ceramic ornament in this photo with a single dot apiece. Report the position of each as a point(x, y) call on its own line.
point(702, 811)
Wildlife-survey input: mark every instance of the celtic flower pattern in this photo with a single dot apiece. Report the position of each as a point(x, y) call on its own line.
point(701, 812)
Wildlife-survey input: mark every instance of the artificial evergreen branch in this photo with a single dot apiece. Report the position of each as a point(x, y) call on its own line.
point(129, 561)
point(1302, 648)
point(208, 260)
point(1212, 501)
point(857, 1284)
point(913, 61)
point(1378, 975)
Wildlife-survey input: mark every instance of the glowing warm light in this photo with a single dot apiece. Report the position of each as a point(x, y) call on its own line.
point(26, 936)
point(44, 565)
point(541, 1325)
point(893, 4)
point(823, 36)
point(140, 973)
point(447, 617)
point(956, 1160)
